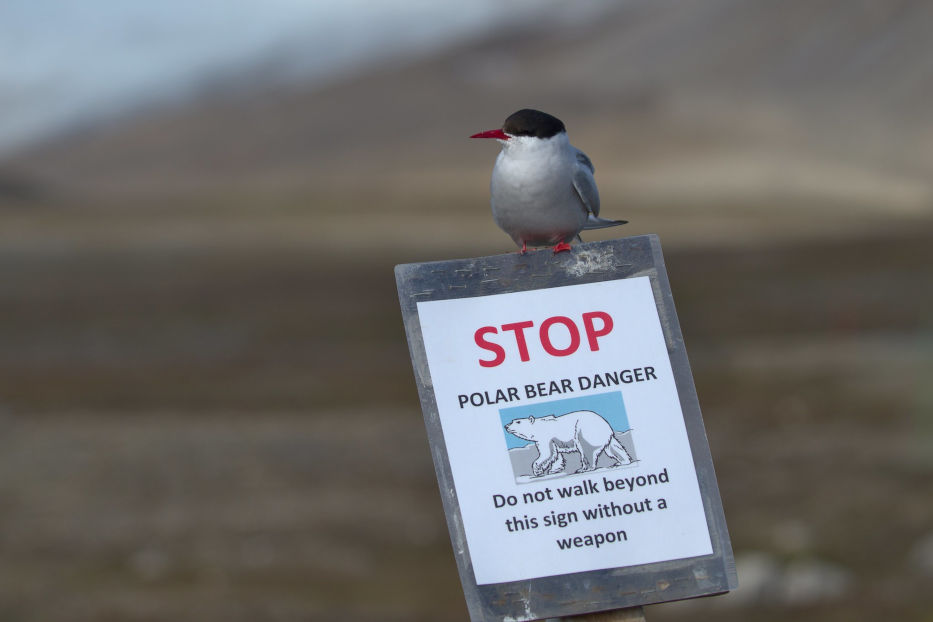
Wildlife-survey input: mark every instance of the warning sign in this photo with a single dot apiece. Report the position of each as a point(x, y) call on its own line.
point(564, 430)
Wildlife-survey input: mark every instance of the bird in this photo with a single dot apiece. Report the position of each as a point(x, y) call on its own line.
point(542, 191)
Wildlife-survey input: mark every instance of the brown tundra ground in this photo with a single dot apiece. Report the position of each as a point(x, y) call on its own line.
point(234, 434)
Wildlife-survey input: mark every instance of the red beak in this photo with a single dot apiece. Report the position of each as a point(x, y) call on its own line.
point(492, 134)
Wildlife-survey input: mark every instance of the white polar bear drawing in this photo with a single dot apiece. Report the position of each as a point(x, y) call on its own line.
point(583, 431)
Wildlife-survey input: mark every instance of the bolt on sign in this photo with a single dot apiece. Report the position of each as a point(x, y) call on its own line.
point(566, 432)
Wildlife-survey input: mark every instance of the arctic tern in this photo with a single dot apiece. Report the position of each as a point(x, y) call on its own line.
point(542, 191)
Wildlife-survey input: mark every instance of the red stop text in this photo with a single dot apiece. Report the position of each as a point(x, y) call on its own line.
point(595, 324)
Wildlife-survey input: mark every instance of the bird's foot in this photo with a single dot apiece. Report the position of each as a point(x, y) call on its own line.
point(562, 246)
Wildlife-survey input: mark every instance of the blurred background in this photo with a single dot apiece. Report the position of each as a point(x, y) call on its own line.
point(201, 205)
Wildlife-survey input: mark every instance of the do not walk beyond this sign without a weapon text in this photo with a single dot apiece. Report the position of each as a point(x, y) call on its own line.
point(566, 432)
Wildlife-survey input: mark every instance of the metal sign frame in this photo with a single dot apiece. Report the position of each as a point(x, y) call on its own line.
point(597, 590)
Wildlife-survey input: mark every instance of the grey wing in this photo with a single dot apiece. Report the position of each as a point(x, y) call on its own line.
point(585, 184)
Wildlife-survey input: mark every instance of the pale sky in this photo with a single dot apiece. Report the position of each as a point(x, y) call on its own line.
point(65, 61)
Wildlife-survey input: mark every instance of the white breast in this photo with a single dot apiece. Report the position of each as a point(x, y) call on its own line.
point(533, 199)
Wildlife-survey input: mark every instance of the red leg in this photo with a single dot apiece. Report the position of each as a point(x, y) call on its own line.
point(562, 246)
point(524, 249)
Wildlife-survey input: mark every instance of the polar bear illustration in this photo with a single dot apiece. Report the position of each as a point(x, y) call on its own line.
point(583, 431)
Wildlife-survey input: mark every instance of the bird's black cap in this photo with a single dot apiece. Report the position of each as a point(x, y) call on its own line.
point(528, 122)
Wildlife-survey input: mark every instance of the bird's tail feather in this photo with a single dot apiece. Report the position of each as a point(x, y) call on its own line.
point(595, 222)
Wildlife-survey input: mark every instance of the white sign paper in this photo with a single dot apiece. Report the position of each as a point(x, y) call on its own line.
point(564, 430)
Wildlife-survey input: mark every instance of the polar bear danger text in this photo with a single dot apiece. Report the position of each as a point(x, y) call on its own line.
point(560, 386)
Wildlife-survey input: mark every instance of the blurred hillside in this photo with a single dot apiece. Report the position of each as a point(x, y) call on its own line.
point(705, 121)
point(201, 338)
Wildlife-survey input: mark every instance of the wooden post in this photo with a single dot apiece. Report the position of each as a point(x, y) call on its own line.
point(629, 614)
